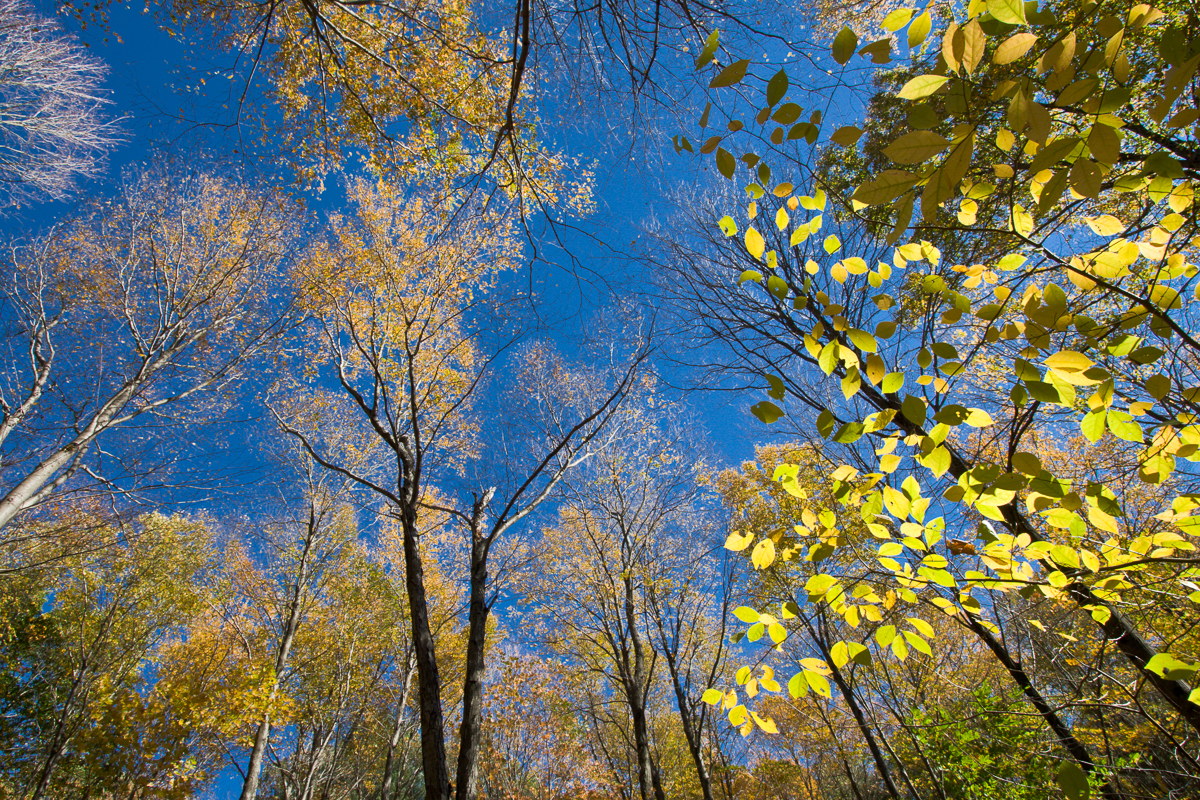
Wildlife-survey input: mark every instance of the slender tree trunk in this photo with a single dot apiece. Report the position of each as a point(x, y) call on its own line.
point(635, 692)
point(429, 691)
point(58, 740)
point(467, 783)
point(691, 731)
point(385, 786)
point(263, 734)
point(864, 727)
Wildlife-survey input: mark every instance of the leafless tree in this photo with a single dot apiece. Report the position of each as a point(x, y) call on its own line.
point(53, 127)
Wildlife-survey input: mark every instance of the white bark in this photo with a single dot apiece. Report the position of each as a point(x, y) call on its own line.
point(53, 131)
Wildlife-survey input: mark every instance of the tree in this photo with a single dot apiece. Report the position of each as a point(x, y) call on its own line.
point(308, 547)
point(531, 732)
point(139, 309)
point(1095, 281)
point(612, 582)
point(394, 309)
point(80, 659)
point(53, 131)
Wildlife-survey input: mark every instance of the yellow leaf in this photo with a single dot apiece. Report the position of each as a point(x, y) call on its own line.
point(781, 218)
point(978, 418)
point(1106, 225)
point(922, 86)
point(1069, 361)
point(763, 554)
point(765, 724)
point(1013, 48)
point(754, 243)
point(738, 542)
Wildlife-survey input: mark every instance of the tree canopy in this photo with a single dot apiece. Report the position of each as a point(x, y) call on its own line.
point(558, 401)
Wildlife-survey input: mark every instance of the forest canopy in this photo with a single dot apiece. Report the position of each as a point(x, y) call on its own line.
point(429, 399)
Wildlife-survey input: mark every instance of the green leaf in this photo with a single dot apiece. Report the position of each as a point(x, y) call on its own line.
point(1145, 355)
point(846, 135)
point(914, 409)
point(917, 643)
point(710, 48)
point(731, 75)
point(887, 186)
point(825, 423)
point(725, 163)
point(1027, 463)
point(750, 275)
point(766, 411)
point(938, 462)
point(1072, 779)
point(832, 244)
point(1079, 90)
point(862, 340)
point(922, 86)
point(849, 433)
point(818, 683)
point(777, 87)
point(1124, 427)
point(915, 147)
point(892, 382)
point(844, 45)
point(777, 388)
point(1053, 152)
point(787, 114)
point(1011, 12)
point(797, 686)
point(1092, 425)
point(727, 225)
point(712, 696)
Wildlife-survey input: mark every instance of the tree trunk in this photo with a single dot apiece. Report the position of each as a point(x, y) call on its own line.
point(691, 730)
point(864, 727)
point(25, 493)
point(429, 687)
point(58, 740)
point(635, 692)
point(1065, 736)
point(467, 783)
